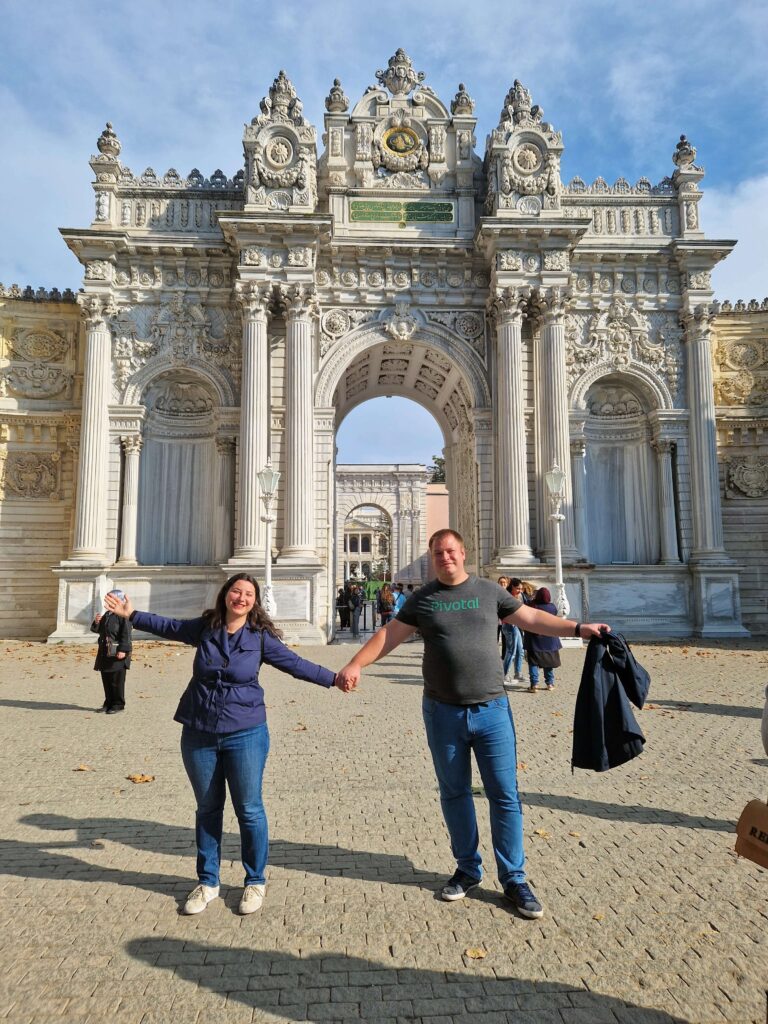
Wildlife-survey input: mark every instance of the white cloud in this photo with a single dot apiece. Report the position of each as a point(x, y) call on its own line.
point(740, 213)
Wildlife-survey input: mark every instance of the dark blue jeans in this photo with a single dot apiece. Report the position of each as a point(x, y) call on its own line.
point(214, 762)
point(453, 732)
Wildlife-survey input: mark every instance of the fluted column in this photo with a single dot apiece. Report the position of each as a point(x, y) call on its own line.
point(578, 481)
point(132, 452)
point(705, 481)
point(90, 516)
point(513, 528)
point(667, 525)
point(254, 419)
point(415, 539)
point(225, 447)
point(299, 531)
point(553, 416)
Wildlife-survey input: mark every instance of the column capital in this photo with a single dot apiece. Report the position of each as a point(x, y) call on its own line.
point(226, 445)
point(508, 305)
point(698, 322)
point(253, 297)
point(551, 305)
point(96, 309)
point(578, 447)
point(131, 443)
point(663, 445)
point(300, 301)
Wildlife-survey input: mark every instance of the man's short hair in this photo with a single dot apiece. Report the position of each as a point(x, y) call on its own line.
point(515, 582)
point(440, 534)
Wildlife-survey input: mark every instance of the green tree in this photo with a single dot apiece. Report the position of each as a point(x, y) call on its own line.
point(438, 470)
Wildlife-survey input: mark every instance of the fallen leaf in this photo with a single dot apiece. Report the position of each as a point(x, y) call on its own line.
point(576, 835)
point(300, 728)
point(598, 917)
point(137, 777)
point(83, 768)
point(98, 844)
point(541, 832)
point(475, 953)
point(557, 714)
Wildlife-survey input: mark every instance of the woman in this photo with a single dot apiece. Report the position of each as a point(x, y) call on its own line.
point(513, 637)
point(113, 657)
point(355, 607)
point(503, 582)
point(542, 651)
point(224, 739)
point(385, 603)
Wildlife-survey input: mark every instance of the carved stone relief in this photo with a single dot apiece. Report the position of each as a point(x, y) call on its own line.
point(748, 476)
point(30, 475)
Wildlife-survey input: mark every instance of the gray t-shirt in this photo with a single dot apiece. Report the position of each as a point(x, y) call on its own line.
point(461, 656)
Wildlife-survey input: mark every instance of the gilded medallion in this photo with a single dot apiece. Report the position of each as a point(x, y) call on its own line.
point(400, 141)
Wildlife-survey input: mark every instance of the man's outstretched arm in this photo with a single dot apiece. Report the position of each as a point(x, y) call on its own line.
point(537, 621)
point(381, 643)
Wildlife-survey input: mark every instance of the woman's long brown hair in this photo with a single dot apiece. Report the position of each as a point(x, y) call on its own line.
point(257, 618)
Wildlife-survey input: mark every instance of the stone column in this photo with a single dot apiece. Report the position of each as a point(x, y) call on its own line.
point(90, 516)
point(254, 420)
point(415, 540)
point(225, 447)
point(705, 481)
point(402, 554)
point(667, 526)
point(554, 436)
point(513, 528)
point(578, 480)
point(299, 529)
point(132, 451)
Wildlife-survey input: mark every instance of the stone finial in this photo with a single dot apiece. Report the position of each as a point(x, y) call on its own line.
point(400, 78)
point(462, 102)
point(684, 154)
point(108, 143)
point(282, 103)
point(336, 102)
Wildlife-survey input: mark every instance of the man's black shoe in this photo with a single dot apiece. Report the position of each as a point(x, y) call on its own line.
point(524, 899)
point(457, 887)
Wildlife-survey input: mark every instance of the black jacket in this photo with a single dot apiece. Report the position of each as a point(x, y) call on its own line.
point(605, 733)
point(112, 627)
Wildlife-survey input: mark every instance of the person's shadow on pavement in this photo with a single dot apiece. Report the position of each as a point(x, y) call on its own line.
point(332, 987)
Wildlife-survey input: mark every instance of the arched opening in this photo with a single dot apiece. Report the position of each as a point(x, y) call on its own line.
point(621, 474)
point(178, 472)
point(367, 544)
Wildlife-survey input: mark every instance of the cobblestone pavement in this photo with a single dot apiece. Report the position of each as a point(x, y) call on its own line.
point(650, 917)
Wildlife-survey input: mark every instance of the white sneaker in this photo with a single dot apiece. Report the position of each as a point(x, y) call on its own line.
point(253, 897)
point(199, 899)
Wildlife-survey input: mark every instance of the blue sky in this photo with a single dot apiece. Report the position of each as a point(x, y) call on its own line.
point(179, 79)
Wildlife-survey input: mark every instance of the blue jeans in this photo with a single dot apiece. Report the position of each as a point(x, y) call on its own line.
point(533, 675)
point(214, 762)
point(514, 640)
point(452, 733)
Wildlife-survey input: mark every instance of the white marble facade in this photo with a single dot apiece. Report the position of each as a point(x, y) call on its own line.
point(228, 319)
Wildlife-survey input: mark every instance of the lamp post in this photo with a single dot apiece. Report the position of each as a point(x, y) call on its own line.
point(268, 478)
point(555, 479)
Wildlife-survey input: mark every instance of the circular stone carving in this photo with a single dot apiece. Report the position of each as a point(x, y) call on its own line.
point(455, 279)
point(401, 279)
point(428, 279)
point(192, 278)
point(530, 205)
point(469, 324)
point(279, 201)
point(323, 278)
point(583, 284)
point(279, 152)
point(335, 323)
point(751, 478)
point(527, 159)
point(744, 355)
point(122, 279)
point(400, 141)
point(215, 279)
point(375, 279)
point(349, 278)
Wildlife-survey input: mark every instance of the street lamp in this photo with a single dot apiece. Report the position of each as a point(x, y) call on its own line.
point(555, 479)
point(268, 478)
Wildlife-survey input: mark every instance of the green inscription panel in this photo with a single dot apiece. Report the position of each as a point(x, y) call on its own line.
point(380, 211)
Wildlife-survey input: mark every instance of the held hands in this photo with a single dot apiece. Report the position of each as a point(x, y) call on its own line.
point(348, 678)
point(117, 607)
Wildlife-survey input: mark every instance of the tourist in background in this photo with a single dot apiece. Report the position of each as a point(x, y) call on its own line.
point(343, 610)
point(400, 598)
point(542, 651)
point(513, 657)
point(224, 736)
point(355, 605)
point(503, 582)
point(385, 603)
point(113, 658)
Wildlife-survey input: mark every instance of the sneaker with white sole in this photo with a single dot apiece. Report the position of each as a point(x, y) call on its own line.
point(253, 897)
point(457, 887)
point(524, 899)
point(199, 899)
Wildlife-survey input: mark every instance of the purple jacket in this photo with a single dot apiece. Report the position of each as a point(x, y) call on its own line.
point(224, 694)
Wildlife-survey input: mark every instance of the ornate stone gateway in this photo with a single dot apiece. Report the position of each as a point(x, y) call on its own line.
point(228, 320)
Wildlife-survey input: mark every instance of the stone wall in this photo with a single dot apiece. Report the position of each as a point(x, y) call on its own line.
point(40, 378)
point(740, 361)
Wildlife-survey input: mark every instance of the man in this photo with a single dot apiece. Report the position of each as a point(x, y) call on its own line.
point(400, 598)
point(465, 708)
point(513, 654)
